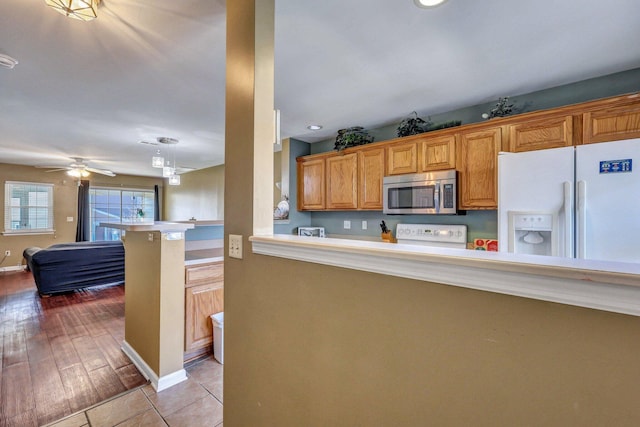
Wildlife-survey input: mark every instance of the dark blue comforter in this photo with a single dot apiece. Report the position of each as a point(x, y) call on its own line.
point(69, 266)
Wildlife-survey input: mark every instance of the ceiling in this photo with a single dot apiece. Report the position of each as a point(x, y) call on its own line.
point(151, 68)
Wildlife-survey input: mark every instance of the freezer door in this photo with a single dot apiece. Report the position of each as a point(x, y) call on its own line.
point(608, 201)
point(537, 181)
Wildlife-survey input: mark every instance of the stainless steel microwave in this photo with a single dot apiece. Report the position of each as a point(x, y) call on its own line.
point(421, 193)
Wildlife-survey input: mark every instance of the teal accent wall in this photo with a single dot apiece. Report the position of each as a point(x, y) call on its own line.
point(204, 232)
point(481, 224)
point(296, 219)
point(574, 93)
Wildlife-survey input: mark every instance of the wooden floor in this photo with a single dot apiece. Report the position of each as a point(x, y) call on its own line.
point(59, 354)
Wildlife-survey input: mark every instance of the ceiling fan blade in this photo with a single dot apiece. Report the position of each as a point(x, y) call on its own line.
point(57, 170)
point(101, 171)
point(52, 167)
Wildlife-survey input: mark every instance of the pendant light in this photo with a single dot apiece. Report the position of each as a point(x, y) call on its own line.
point(157, 161)
point(83, 10)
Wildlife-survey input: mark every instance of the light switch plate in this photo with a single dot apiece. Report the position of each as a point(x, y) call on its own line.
point(347, 225)
point(235, 246)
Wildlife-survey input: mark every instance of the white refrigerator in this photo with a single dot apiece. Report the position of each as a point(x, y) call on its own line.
point(581, 202)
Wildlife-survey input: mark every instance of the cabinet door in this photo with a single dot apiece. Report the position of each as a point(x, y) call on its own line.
point(438, 153)
point(311, 180)
point(201, 302)
point(477, 166)
point(611, 124)
point(402, 158)
point(342, 181)
point(541, 134)
point(371, 169)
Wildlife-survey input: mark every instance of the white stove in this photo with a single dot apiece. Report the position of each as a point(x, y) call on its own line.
point(441, 235)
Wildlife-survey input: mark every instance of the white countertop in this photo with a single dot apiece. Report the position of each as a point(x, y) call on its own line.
point(162, 226)
point(604, 285)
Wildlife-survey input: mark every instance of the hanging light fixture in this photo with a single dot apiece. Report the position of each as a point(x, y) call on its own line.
point(84, 10)
point(157, 161)
point(167, 171)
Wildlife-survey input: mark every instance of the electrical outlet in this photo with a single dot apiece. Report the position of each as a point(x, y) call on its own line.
point(7, 253)
point(347, 225)
point(364, 224)
point(235, 246)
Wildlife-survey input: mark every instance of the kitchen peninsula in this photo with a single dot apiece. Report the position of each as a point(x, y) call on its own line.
point(608, 286)
point(189, 260)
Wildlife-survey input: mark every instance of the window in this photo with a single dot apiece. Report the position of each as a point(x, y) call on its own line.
point(118, 206)
point(28, 207)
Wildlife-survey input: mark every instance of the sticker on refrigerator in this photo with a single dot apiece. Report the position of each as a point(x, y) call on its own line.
point(616, 166)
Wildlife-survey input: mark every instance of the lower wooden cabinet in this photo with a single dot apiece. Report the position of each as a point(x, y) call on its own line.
point(204, 296)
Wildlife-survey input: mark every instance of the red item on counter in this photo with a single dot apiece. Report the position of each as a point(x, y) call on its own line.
point(486, 245)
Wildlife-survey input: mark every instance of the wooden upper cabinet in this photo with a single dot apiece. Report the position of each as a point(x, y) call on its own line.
point(541, 134)
point(438, 153)
point(611, 124)
point(477, 167)
point(342, 181)
point(371, 170)
point(311, 182)
point(402, 158)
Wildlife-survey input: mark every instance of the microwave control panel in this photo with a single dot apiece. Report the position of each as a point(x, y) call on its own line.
point(447, 196)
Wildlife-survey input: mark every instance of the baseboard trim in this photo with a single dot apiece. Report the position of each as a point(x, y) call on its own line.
point(158, 383)
point(14, 268)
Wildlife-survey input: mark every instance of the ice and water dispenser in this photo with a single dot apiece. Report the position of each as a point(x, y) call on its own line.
point(533, 233)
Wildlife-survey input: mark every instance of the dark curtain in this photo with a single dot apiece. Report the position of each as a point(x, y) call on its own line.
point(156, 203)
point(83, 232)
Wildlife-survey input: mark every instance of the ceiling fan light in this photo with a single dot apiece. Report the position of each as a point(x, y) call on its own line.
point(78, 173)
point(83, 10)
point(174, 180)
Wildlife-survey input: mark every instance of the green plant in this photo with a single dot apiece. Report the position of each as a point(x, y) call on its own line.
point(413, 125)
point(351, 137)
point(501, 109)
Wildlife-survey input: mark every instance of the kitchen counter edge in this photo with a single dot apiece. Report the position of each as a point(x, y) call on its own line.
point(601, 285)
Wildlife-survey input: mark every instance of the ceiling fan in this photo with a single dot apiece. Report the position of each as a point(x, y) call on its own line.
point(78, 169)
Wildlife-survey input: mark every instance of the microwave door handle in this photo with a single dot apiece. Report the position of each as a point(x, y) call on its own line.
point(436, 197)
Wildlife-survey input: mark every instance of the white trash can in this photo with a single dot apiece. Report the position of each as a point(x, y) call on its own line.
point(218, 336)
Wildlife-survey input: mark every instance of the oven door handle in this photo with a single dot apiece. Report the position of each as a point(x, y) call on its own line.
point(436, 197)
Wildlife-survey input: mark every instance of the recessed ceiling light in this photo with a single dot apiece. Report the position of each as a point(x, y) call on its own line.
point(425, 4)
point(314, 127)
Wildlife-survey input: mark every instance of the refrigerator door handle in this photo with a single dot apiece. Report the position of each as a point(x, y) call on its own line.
point(581, 218)
point(567, 211)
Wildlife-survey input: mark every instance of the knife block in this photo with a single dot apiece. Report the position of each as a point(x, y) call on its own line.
point(388, 237)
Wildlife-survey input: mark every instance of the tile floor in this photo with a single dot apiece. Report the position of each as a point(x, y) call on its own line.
point(194, 402)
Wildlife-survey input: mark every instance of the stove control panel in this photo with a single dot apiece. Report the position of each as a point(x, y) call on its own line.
point(426, 233)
